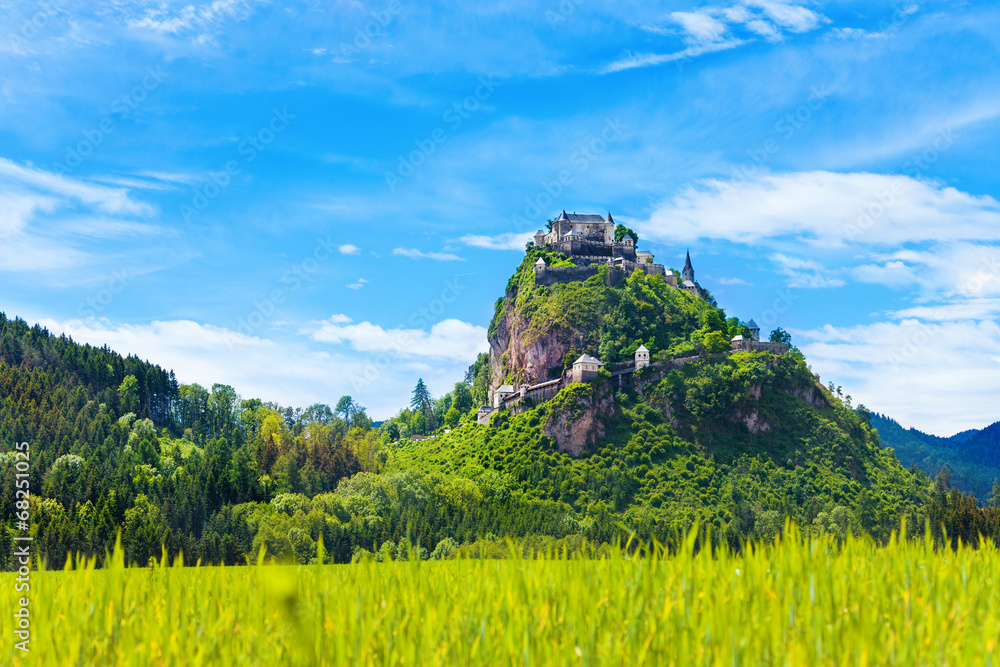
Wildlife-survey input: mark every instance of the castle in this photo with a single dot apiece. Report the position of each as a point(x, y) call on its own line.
point(589, 242)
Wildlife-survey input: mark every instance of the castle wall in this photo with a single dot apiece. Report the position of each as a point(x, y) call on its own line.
point(760, 346)
point(616, 275)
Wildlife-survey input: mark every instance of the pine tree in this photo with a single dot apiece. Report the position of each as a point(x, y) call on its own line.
point(422, 401)
point(994, 498)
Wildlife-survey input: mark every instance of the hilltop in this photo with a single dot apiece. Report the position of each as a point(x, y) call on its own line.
point(687, 419)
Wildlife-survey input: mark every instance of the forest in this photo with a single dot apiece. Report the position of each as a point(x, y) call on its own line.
point(118, 445)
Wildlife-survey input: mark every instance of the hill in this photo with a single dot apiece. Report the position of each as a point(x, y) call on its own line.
point(972, 457)
point(736, 441)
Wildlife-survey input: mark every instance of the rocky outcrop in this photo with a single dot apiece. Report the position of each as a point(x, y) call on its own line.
point(813, 395)
point(520, 353)
point(576, 419)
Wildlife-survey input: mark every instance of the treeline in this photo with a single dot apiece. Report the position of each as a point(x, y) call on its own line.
point(972, 457)
point(204, 472)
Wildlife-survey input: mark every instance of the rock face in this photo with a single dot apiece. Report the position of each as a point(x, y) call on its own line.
point(521, 355)
point(578, 422)
point(512, 351)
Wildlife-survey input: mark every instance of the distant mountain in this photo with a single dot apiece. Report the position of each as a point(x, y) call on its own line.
point(972, 456)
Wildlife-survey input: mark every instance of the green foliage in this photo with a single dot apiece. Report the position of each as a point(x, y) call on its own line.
point(621, 231)
point(779, 335)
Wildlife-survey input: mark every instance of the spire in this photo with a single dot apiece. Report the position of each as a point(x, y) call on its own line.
point(688, 272)
point(563, 216)
point(609, 218)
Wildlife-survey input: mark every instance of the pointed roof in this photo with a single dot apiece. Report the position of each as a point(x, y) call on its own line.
point(687, 261)
point(752, 325)
point(609, 218)
point(642, 348)
point(562, 216)
point(587, 359)
point(539, 233)
point(540, 261)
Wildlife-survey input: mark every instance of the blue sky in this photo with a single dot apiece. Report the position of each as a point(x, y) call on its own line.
point(311, 199)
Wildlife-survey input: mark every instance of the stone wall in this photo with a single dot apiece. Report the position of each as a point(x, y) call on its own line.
point(760, 346)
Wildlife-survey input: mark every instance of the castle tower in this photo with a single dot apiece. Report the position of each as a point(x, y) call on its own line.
point(754, 330)
point(539, 238)
point(641, 357)
point(539, 269)
point(688, 272)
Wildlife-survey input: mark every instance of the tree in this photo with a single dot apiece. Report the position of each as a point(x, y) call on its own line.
point(621, 231)
point(319, 413)
point(346, 407)
point(128, 394)
point(779, 335)
point(994, 498)
point(423, 403)
point(715, 342)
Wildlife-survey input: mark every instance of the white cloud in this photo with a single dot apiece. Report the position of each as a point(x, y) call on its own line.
point(35, 237)
point(508, 241)
point(805, 273)
point(940, 377)
point(788, 15)
point(358, 285)
point(106, 199)
point(413, 253)
point(291, 372)
point(348, 249)
point(733, 281)
point(822, 208)
point(711, 29)
point(658, 59)
point(700, 26)
point(447, 339)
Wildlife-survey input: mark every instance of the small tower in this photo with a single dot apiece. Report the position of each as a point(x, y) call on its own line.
point(688, 272)
point(539, 238)
point(641, 357)
point(539, 268)
point(754, 330)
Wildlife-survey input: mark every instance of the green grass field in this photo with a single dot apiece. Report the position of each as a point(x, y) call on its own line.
point(789, 605)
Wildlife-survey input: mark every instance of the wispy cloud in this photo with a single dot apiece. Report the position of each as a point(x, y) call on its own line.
point(940, 377)
point(348, 249)
point(447, 339)
point(829, 209)
point(719, 28)
point(358, 285)
point(413, 253)
point(508, 241)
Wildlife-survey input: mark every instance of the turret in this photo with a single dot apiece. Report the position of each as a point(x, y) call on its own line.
point(754, 330)
point(688, 272)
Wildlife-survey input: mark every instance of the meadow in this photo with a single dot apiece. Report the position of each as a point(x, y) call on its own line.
point(796, 603)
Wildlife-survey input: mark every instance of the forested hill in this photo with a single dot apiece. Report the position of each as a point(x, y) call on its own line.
point(734, 441)
point(972, 457)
